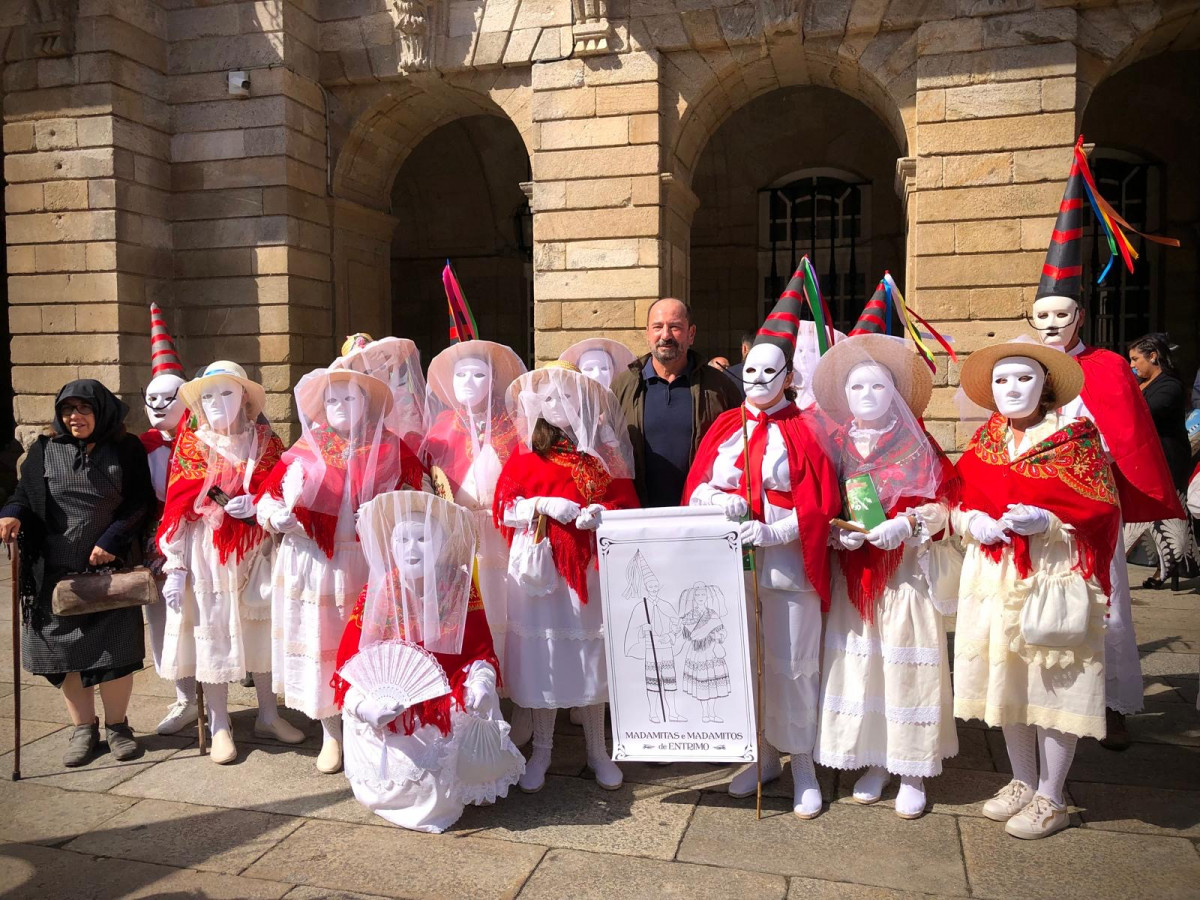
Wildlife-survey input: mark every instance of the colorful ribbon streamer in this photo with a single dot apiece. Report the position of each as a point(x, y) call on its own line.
point(902, 312)
point(822, 321)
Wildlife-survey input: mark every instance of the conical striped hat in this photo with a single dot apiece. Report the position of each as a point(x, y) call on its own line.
point(1062, 272)
point(874, 315)
point(163, 356)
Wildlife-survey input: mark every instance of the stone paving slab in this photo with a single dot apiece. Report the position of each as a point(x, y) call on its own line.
point(1144, 810)
point(1092, 863)
point(575, 813)
point(39, 873)
point(41, 762)
point(847, 843)
point(188, 837)
point(399, 863)
point(705, 777)
point(1163, 662)
point(1167, 723)
point(812, 889)
point(303, 892)
point(31, 730)
point(597, 876)
point(272, 778)
point(37, 814)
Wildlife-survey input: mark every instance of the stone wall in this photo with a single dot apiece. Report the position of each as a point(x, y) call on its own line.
point(265, 224)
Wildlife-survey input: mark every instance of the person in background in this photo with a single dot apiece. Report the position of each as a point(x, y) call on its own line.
point(84, 496)
point(1150, 358)
point(735, 372)
point(669, 398)
point(720, 363)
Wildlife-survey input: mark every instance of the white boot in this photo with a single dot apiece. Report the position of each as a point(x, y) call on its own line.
point(870, 785)
point(222, 750)
point(806, 791)
point(329, 760)
point(268, 723)
point(608, 773)
point(745, 782)
point(910, 801)
point(534, 778)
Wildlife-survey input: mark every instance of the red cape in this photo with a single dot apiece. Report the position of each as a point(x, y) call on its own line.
point(153, 439)
point(815, 490)
point(1119, 410)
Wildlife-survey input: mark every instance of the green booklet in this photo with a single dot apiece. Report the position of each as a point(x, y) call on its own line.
point(862, 501)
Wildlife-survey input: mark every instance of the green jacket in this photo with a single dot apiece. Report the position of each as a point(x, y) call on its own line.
point(713, 392)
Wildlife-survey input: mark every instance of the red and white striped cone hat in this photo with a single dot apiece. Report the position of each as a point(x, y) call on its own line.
point(164, 358)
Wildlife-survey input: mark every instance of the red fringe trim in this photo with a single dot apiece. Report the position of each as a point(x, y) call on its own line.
point(867, 572)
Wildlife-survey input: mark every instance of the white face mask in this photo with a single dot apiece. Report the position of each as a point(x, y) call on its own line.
point(870, 391)
point(345, 406)
point(1057, 320)
point(764, 375)
point(408, 550)
point(556, 403)
point(1017, 386)
point(221, 402)
point(163, 407)
point(598, 366)
point(472, 382)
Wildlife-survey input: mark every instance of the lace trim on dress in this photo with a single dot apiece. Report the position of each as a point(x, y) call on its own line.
point(913, 768)
point(903, 715)
point(859, 645)
point(551, 634)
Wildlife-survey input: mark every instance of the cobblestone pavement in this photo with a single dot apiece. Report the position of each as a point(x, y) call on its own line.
point(172, 824)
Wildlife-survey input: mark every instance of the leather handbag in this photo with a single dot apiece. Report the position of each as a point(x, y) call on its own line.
point(89, 592)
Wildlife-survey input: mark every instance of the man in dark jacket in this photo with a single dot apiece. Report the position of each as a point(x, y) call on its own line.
point(670, 397)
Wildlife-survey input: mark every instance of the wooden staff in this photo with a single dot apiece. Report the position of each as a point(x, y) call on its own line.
point(15, 555)
point(758, 711)
point(201, 719)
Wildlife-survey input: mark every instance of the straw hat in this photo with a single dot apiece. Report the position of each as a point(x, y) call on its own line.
point(1064, 376)
point(255, 399)
point(531, 381)
point(506, 366)
point(378, 515)
point(911, 375)
point(621, 355)
point(398, 349)
point(310, 392)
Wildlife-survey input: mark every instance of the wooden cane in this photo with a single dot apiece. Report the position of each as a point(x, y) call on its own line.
point(201, 719)
point(758, 703)
point(15, 555)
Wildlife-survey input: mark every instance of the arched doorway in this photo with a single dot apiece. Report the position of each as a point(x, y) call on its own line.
point(1147, 139)
point(799, 170)
point(458, 196)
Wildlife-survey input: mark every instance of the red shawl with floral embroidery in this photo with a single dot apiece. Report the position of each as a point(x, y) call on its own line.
point(449, 445)
point(476, 645)
point(1066, 474)
point(396, 467)
point(567, 473)
point(868, 569)
point(186, 477)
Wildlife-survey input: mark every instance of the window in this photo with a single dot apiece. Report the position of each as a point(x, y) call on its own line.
point(824, 213)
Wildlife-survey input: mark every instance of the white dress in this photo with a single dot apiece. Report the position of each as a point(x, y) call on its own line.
point(997, 676)
point(554, 645)
point(886, 697)
point(791, 608)
point(475, 493)
point(312, 596)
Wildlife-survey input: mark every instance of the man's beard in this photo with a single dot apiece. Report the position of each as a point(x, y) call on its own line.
point(667, 351)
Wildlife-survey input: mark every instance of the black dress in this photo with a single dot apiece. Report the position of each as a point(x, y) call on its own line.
point(1167, 399)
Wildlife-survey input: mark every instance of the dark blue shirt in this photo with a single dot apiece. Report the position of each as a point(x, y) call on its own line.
point(667, 435)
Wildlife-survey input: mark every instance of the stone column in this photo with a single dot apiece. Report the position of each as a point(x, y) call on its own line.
point(362, 269)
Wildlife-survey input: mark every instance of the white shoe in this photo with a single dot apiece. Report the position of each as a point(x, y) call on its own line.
point(534, 777)
point(180, 714)
point(329, 760)
point(1041, 818)
point(223, 750)
point(1009, 800)
point(807, 801)
point(869, 787)
point(745, 782)
point(608, 774)
point(910, 801)
point(280, 729)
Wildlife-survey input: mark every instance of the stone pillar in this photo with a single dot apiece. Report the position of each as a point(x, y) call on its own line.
point(86, 147)
point(362, 269)
point(995, 125)
point(679, 209)
point(597, 199)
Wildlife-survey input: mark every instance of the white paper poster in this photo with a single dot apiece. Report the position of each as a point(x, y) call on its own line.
point(679, 675)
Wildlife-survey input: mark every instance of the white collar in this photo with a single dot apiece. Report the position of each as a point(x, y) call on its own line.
point(1077, 349)
point(783, 401)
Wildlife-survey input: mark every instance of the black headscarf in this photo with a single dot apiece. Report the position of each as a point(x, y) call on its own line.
point(110, 415)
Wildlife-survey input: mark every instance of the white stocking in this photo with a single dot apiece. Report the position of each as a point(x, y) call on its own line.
point(1021, 742)
point(331, 726)
point(216, 696)
point(1058, 749)
point(185, 690)
point(606, 771)
point(268, 704)
point(543, 744)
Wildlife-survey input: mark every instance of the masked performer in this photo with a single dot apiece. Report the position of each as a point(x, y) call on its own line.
point(350, 451)
point(1110, 398)
point(1038, 516)
point(886, 701)
point(164, 411)
point(218, 566)
point(600, 359)
point(418, 765)
point(804, 362)
point(549, 498)
point(397, 363)
point(793, 495)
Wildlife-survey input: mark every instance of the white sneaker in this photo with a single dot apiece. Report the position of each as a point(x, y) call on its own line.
point(180, 714)
point(745, 782)
point(1009, 800)
point(1041, 818)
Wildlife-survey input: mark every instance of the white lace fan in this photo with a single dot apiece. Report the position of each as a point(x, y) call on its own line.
point(397, 670)
point(484, 761)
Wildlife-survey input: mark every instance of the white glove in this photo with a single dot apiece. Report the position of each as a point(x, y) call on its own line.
point(559, 509)
point(850, 540)
point(589, 518)
point(173, 588)
point(1026, 520)
point(759, 534)
point(480, 696)
point(891, 534)
point(987, 530)
point(375, 713)
point(733, 505)
point(240, 507)
point(285, 522)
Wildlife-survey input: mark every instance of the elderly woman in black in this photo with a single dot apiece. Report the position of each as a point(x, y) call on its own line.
point(82, 500)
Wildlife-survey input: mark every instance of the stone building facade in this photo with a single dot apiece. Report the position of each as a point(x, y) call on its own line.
point(279, 173)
